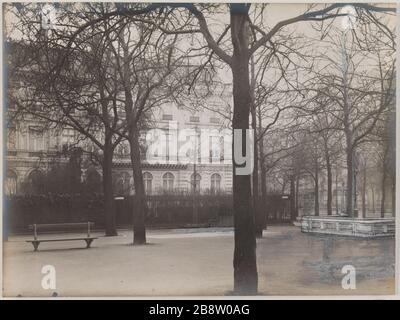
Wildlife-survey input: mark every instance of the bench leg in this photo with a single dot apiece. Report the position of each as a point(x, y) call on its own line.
point(35, 245)
point(88, 242)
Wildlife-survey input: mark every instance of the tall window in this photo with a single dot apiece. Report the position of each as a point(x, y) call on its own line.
point(11, 138)
point(216, 144)
point(36, 140)
point(215, 182)
point(193, 153)
point(195, 183)
point(68, 137)
point(167, 144)
point(148, 181)
point(10, 183)
point(168, 181)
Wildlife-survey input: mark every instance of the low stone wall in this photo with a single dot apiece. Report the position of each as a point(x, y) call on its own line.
point(356, 227)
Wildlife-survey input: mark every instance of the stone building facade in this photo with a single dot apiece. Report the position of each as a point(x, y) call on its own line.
point(33, 149)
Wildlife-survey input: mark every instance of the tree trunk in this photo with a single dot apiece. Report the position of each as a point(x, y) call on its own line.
point(383, 198)
point(373, 200)
point(329, 182)
point(316, 190)
point(244, 261)
point(292, 198)
point(297, 195)
point(394, 196)
point(349, 135)
point(364, 191)
point(350, 177)
point(385, 164)
point(140, 210)
point(109, 208)
point(336, 191)
point(132, 117)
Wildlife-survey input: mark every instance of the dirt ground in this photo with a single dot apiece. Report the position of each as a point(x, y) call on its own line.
point(198, 262)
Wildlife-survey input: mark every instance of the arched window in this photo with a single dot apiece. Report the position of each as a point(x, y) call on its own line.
point(10, 184)
point(168, 181)
point(36, 139)
point(215, 182)
point(195, 183)
point(148, 180)
point(11, 138)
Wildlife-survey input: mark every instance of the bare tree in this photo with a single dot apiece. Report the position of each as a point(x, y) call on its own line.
point(359, 97)
point(82, 98)
point(150, 71)
point(236, 55)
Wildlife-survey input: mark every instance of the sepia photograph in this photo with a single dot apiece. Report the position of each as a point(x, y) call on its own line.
point(179, 149)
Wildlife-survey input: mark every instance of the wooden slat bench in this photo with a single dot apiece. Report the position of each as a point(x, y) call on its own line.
point(61, 227)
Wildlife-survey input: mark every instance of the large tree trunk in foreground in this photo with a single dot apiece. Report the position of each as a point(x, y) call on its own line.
point(140, 209)
point(133, 118)
point(244, 261)
point(109, 208)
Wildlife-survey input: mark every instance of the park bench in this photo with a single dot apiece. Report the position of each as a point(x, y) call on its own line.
point(61, 227)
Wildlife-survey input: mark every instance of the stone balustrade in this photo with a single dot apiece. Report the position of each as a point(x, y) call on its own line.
point(345, 226)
